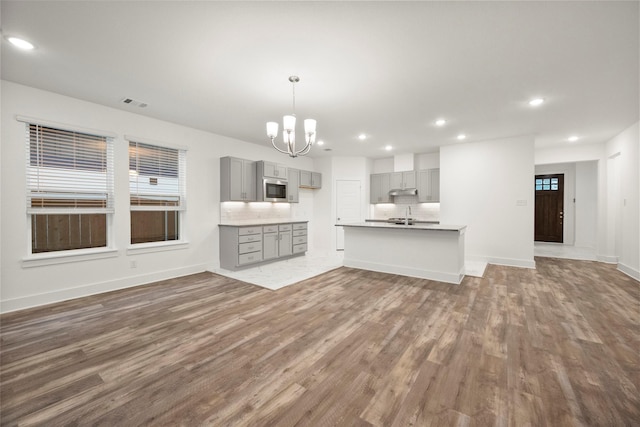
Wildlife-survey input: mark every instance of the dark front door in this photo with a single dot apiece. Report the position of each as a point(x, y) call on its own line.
point(549, 208)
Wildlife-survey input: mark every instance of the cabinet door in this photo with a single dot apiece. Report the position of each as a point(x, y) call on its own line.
point(409, 179)
point(429, 185)
point(293, 188)
point(236, 179)
point(249, 180)
point(316, 180)
point(269, 245)
point(380, 187)
point(374, 188)
point(434, 176)
point(305, 179)
point(285, 246)
point(396, 180)
point(281, 171)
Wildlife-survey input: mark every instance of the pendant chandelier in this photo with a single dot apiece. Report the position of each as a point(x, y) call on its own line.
point(288, 129)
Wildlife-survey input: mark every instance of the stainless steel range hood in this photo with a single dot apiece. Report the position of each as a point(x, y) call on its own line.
point(405, 192)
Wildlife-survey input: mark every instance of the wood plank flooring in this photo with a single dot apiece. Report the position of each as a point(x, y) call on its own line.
point(556, 346)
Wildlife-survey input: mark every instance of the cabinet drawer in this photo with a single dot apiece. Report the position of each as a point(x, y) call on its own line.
point(299, 233)
point(250, 238)
point(270, 229)
point(299, 239)
point(301, 226)
point(244, 231)
point(250, 258)
point(284, 227)
point(299, 248)
point(244, 248)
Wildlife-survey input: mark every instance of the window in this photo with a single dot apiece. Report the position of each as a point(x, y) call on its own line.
point(546, 184)
point(157, 192)
point(69, 188)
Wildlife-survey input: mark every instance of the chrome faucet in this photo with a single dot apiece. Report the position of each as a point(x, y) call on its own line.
point(407, 212)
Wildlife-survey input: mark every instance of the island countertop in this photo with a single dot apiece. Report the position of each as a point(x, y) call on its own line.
point(414, 226)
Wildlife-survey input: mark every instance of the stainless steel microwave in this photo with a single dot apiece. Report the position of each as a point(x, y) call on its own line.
point(273, 190)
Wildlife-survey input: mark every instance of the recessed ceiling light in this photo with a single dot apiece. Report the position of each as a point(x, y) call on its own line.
point(321, 142)
point(20, 43)
point(441, 122)
point(362, 137)
point(461, 136)
point(388, 148)
point(536, 102)
point(573, 138)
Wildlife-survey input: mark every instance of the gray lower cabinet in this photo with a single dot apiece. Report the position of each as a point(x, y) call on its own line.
point(299, 238)
point(276, 241)
point(243, 246)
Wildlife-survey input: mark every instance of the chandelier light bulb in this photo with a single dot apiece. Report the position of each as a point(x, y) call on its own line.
point(272, 129)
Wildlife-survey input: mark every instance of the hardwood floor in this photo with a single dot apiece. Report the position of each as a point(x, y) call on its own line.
point(554, 346)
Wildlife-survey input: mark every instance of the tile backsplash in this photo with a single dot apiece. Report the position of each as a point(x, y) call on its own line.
point(420, 211)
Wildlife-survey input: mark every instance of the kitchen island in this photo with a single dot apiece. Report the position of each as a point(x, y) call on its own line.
point(428, 251)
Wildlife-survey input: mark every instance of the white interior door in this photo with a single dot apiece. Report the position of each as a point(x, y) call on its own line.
point(348, 207)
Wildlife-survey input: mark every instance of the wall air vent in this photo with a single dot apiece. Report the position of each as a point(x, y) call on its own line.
point(135, 103)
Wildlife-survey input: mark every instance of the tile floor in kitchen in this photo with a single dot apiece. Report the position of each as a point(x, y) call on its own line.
point(283, 273)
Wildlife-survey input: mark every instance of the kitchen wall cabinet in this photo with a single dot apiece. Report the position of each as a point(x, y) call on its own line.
point(237, 180)
point(310, 179)
point(429, 185)
point(241, 246)
point(293, 188)
point(271, 170)
point(403, 180)
point(379, 188)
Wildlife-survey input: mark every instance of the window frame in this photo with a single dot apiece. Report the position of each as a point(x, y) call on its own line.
point(68, 255)
point(180, 209)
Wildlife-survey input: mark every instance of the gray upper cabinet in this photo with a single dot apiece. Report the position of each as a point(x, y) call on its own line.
point(403, 180)
point(237, 180)
point(380, 187)
point(310, 179)
point(273, 170)
point(429, 185)
point(293, 189)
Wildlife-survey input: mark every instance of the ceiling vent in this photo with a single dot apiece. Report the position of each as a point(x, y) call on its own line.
point(135, 103)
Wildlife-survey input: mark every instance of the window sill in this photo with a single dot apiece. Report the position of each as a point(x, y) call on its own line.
point(63, 257)
point(143, 248)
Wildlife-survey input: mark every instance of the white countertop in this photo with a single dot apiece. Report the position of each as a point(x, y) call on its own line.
point(415, 226)
point(255, 222)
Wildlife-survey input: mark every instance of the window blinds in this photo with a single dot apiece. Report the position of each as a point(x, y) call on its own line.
point(68, 171)
point(156, 177)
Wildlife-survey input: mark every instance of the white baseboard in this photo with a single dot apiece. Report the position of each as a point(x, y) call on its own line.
point(631, 272)
point(406, 271)
point(95, 288)
point(609, 259)
point(509, 262)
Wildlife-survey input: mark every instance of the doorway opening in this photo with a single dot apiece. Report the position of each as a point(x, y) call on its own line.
point(549, 208)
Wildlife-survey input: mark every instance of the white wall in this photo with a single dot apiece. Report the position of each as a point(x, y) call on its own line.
point(586, 204)
point(23, 287)
point(623, 217)
point(488, 187)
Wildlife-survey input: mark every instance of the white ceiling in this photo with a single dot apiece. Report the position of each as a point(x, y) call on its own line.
point(386, 69)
